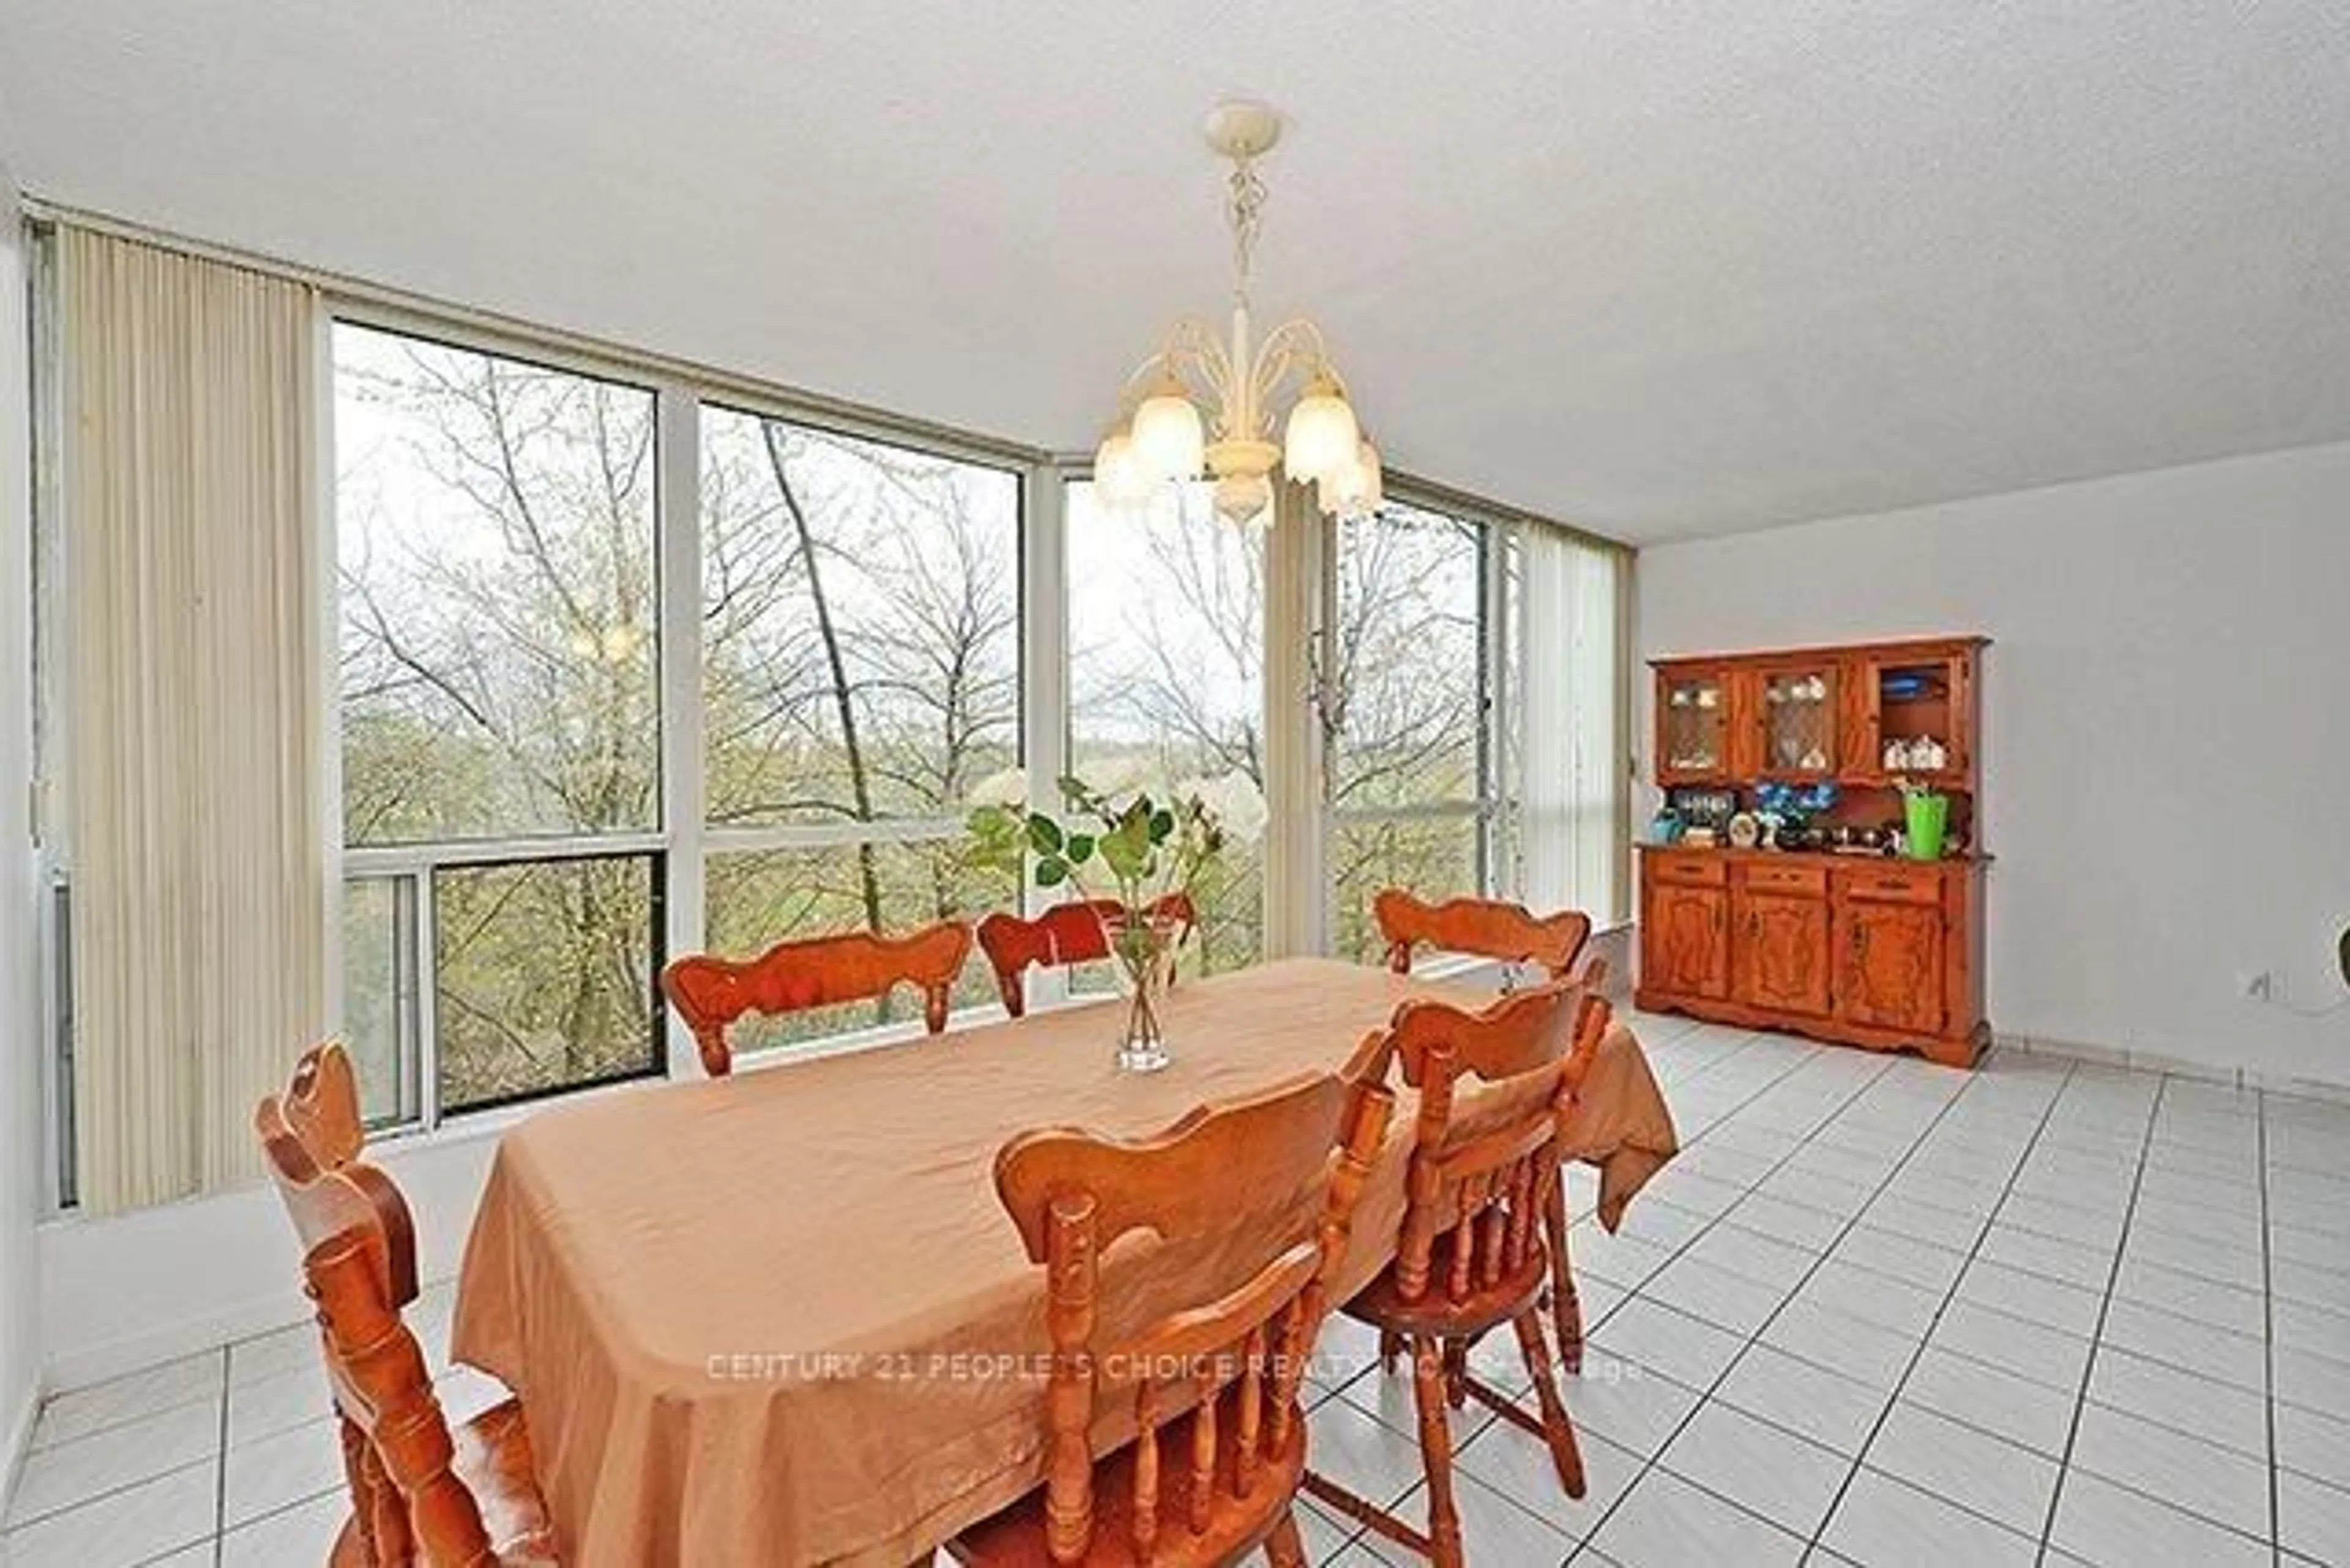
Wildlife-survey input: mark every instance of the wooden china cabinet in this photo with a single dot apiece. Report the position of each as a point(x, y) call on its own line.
point(1824, 934)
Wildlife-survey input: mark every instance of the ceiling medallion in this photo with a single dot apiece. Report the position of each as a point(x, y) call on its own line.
point(1200, 382)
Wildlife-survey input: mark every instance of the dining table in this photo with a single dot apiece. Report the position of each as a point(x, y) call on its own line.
point(782, 1317)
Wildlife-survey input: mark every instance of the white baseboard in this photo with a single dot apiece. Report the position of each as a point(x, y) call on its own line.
point(18, 1439)
point(2239, 1078)
point(125, 1292)
point(181, 1336)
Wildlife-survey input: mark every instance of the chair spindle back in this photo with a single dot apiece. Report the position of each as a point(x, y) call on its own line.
point(1480, 1175)
point(1282, 1170)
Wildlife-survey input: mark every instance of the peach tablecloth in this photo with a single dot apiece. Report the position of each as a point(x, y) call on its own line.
point(760, 1319)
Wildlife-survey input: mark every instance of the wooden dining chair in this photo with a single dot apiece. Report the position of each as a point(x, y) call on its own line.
point(423, 1493)
point(1261, 1193)
point(1482, 928)
point(710, 993)
point(1470, 1254)
point(1065, 934)
point(1506, 933)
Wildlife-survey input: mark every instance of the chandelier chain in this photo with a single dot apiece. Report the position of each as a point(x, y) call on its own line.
point(1270, 400)
point(1246, 214)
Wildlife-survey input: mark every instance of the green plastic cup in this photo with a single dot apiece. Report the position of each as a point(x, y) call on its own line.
point(1928, 814)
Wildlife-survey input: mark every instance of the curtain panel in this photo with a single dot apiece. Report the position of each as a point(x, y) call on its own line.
point(1574, 773)
point(196, 673)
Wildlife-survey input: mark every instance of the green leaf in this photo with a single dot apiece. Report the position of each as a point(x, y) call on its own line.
point(1043, 833)
point(1052, 871)
point(1127, 854)
point(1162, 826)
point(1080, 848)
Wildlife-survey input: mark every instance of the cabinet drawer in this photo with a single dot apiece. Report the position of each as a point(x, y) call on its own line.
point(1811, 880)
point(1892, 883)
point(1687, 870)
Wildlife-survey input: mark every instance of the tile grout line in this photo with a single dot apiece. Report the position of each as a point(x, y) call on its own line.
point(1748, 1042)
point(220, 1474)
point(1893, 1396)
point(1654, 1461)
point(104, 1495)
point(2104, 1309)
point(104, 1428)
point(2268, 1325)
point(1713, 1395)
point(2000, 1312)
point(1751, 1039)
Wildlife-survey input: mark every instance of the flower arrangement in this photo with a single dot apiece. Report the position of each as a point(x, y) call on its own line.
point(1126, 839)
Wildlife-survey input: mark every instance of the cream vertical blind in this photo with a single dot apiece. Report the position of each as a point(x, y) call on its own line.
point(1574, 773)
point(196, 677)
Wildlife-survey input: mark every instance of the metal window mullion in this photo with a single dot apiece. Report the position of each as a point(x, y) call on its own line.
point(1627, 762)
point(408, 977)
point(1493, 729)
point(743, 840)
point(61, 1157)
point(396, 860)
point(425, 938)
point(1422, 811)
point(1044, 744)
point(684, 759)
point(52, 392)
point(326, 601)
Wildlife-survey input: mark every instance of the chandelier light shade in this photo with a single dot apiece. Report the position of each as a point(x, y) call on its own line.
point(1215, 397)
point(1354, 486)
point(1322, 435)
point(1119, 473)
point(1168, 437)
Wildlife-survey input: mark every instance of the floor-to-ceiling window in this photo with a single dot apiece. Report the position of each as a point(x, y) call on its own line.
point(861, 673)
point(500, 717)
point(1409, 706)
point(1167, 670)
point(499, 527)
point(630, 661)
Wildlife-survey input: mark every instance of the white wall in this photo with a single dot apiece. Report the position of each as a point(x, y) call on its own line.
point(20, 1080)
point(2166, 754)
point(131, 1290)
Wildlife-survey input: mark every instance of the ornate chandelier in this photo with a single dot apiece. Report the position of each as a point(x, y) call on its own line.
point(1201, 381)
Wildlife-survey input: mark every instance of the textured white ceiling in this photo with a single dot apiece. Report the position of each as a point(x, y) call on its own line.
point(1661, 269)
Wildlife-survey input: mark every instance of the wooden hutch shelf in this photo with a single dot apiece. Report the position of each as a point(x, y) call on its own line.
point(1866, 949)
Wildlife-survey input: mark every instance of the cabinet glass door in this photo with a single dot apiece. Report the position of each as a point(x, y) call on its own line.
point(1798, 719)
point(1693, 722)
point(1918, 718)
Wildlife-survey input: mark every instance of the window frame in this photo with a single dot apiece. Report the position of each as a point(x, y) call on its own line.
point(680, 840)
point(1494, 805)
point(1050, 986)
point(714, 840)
point(411, 866)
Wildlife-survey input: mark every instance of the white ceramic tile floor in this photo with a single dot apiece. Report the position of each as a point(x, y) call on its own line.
point(1878, 1314)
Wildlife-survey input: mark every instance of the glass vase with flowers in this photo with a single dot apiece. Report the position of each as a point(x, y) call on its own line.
point(1132, 847)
